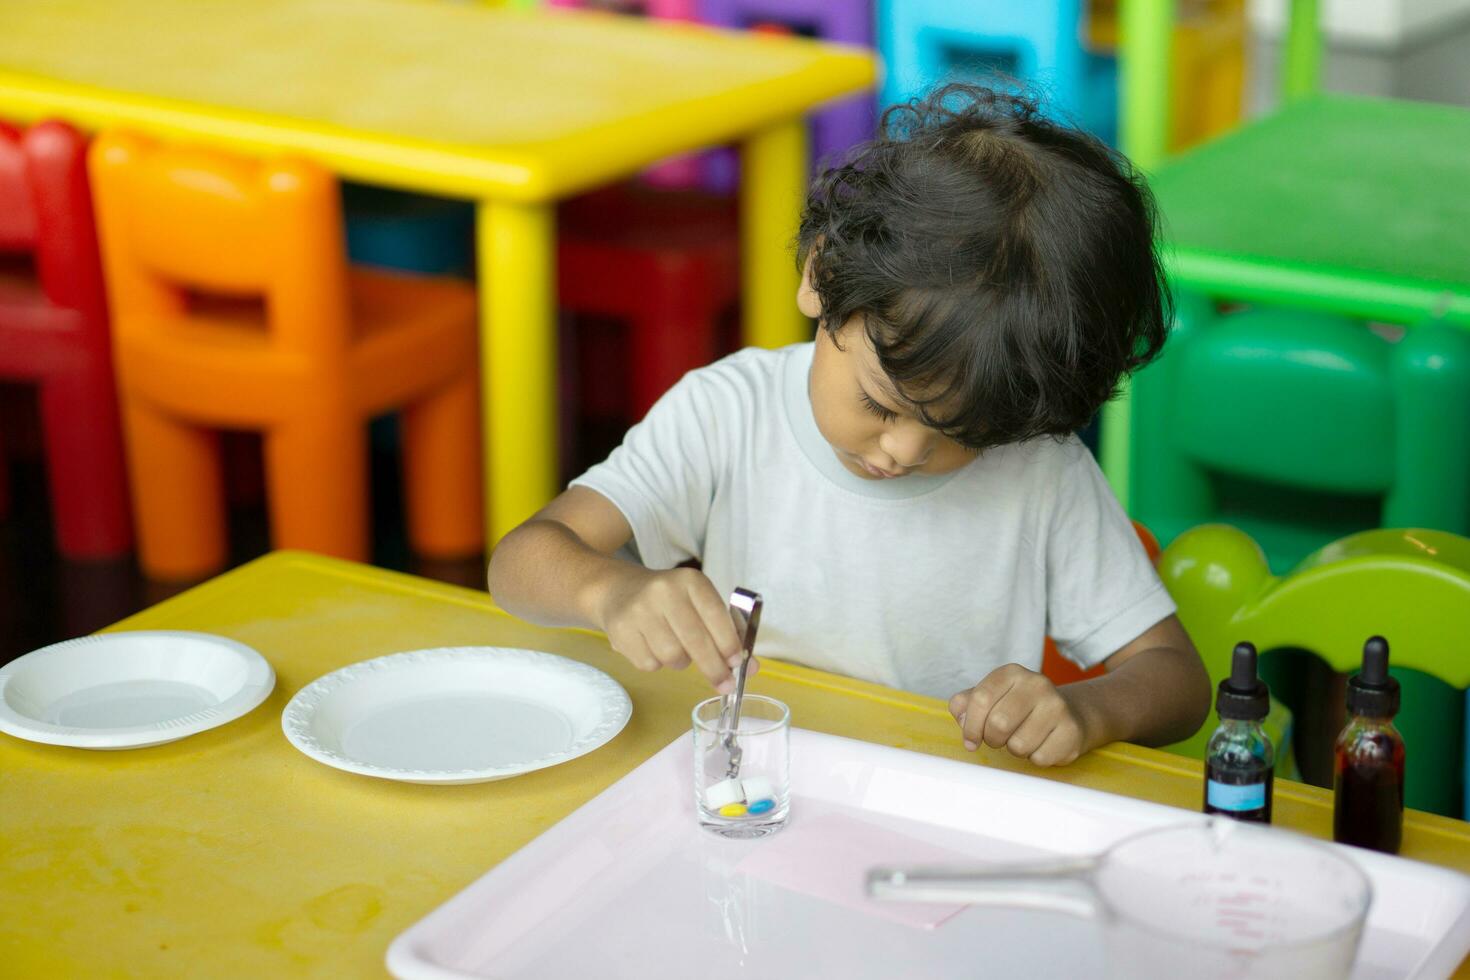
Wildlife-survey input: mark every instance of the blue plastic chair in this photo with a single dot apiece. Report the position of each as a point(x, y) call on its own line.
point(924, 42)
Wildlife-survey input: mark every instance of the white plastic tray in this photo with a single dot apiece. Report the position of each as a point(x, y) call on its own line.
point(628, 886)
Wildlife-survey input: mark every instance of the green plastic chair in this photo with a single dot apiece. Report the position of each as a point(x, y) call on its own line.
point(1300, 428)
point(1411, 586)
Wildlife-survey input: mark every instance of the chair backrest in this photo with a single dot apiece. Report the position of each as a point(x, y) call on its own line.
point(17, 204)
point(925, 42)
point(1302, 427)
point(46, 211)
point(177, 220)
point(1300, 399)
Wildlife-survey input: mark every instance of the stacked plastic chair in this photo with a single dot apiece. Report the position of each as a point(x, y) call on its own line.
point(1064, 49)
point(234, 308)
point(835, 129)
point(924, 42)
point(1301, 427)
point(54, 334)
point(1411, 586)
point(664, 263)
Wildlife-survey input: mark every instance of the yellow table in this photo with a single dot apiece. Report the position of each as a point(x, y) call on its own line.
point(512, 108)
point(231, 854)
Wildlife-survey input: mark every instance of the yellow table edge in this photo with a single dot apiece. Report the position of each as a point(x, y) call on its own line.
point(1119, 752)
point(380, 855)
point(532, 172)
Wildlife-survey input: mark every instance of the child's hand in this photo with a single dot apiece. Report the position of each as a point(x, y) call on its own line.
point(671, 619)
point(1023, 711)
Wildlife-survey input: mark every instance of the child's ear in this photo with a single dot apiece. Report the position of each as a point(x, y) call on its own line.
point(807, 300)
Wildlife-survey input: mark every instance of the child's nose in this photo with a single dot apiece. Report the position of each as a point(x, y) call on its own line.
point(909, 445)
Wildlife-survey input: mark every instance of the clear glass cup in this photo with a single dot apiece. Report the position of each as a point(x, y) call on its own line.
point(756, 802)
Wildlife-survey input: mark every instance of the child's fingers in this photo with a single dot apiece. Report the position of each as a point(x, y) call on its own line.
point(1061, 747)
point(635, 650)
point(1007, 716)
point(1032, 733)
point(983, 698)
point(664, 645)
point(690, 630)
point(716, 616)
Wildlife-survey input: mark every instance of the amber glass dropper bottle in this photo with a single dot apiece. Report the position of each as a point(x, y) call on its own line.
point(1368, 809)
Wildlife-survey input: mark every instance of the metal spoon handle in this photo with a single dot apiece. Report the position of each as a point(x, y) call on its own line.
point(745, 608)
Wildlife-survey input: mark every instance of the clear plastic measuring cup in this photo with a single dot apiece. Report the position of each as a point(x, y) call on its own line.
point(1214, 899)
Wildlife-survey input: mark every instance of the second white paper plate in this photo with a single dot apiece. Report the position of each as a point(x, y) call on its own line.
point(456, 714)
point(127, 690)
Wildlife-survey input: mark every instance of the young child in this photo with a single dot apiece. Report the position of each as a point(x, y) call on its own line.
point(907, 492)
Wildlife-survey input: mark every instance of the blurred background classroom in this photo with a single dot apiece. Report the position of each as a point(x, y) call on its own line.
point(1312, 411)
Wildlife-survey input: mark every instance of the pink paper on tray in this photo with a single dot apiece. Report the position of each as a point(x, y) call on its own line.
point(828, 857)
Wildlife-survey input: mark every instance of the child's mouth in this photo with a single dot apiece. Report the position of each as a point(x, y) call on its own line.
point(874, 471)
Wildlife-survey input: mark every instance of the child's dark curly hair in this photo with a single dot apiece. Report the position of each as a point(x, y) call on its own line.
point(1003, 264)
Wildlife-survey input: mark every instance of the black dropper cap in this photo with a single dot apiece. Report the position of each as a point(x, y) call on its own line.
point(1373, 693)
point(1243, 695)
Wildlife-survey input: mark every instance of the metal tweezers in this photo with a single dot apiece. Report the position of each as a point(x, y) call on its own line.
point(745, 609)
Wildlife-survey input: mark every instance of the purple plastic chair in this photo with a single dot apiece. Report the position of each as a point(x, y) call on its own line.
point(682, 171)
point(835, 129)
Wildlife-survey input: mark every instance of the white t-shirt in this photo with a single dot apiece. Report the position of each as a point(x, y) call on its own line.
point(925, 583)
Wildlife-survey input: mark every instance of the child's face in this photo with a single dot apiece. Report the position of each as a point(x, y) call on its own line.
point(874, 431)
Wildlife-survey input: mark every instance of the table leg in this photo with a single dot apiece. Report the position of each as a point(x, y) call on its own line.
point(1116, 442)
point(517, 268)
point(1146, 30)
point(1302, 68)
point(773, 189)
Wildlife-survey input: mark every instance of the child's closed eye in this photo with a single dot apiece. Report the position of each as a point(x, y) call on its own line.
point(884, 413)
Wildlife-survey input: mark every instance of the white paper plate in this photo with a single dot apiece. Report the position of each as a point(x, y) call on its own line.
point(130, 689)
point(456, 714)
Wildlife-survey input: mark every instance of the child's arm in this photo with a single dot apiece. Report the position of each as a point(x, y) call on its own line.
point(1155, 692)
point(558, 569)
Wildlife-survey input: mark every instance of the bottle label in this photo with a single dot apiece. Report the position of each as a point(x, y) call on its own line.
point(1236, 799)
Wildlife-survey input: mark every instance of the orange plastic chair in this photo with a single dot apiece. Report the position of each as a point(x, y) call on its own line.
point(1057, 668)
point(234, 308)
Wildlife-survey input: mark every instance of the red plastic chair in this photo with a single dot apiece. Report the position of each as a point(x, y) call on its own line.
point(54, 334)
point(1057, 668)
point(666, 263)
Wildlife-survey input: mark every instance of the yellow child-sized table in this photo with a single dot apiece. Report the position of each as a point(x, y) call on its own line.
point(512, 108)
point(231, 854)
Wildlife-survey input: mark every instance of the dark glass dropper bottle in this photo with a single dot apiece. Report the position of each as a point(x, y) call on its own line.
point(1368, 809)
point(1240, 762)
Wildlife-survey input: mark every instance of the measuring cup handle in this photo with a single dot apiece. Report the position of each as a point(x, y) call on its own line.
point(1054, 886)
